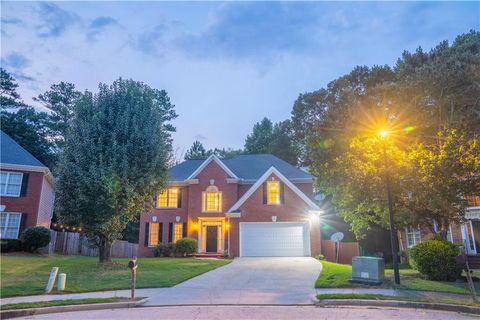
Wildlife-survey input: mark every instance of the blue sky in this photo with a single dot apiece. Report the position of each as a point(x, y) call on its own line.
point(224, 65)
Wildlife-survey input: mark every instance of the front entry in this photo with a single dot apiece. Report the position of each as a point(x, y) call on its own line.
point(212, 236)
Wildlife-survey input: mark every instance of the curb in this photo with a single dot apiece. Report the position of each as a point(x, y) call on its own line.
point(7, 314)
point(397, 304)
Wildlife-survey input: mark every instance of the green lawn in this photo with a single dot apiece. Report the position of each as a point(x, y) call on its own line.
point(367, 296)
point(68, 302)
point(28, 275)
point(336, 275)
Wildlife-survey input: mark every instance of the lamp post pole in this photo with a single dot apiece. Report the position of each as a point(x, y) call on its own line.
point(393, 233)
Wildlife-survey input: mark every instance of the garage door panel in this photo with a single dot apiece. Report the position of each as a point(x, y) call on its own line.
point(274, 239)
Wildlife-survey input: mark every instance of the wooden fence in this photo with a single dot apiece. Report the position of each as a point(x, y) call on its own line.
point(72, 243)
point(346, 252)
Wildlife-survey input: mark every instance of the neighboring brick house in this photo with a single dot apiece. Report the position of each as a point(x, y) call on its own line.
point(250, 205)
point(466, 234)
point(26, 190)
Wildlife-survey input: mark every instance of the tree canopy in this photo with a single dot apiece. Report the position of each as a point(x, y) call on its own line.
point(429, 102)
point(116, 158)
point(276, 139)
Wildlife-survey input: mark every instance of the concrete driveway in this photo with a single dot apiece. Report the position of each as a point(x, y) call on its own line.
point(253, 281)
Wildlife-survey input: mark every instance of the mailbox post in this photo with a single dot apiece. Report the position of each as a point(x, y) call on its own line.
point(132, 264)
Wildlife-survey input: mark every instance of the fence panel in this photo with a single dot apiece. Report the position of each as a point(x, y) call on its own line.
point(346, 251)
point(72, 243)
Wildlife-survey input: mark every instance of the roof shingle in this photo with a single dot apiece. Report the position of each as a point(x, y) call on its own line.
point(12, 153)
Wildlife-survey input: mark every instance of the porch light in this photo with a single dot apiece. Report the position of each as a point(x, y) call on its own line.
point(314, 215)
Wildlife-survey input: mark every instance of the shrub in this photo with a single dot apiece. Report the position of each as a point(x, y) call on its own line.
point(436, 259)
point(320, 257)
point(185, 246)
point(35, 238)
point(164, 250)
point(10, 245)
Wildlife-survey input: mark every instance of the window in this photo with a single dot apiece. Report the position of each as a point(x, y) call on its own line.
point(168, 198)
point(449, 231)
point(153, 234)
point(473, 200)
point(212, 201)
point(9, 225)
point(10, 183)
point(177, 231)
point(413, 236)
point(273, 192)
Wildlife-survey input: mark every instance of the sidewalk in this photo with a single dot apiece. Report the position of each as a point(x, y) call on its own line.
point(97, 294)
point(397, 293)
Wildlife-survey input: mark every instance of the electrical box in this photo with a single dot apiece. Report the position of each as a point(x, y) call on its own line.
point(368, 270)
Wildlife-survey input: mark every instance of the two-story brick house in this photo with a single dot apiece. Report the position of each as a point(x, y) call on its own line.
point(249, 205)
point(26, 190)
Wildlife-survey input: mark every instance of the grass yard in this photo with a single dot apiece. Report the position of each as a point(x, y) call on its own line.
point(54, 303)
point(336, 275)
point(367, 296)
point(28, 275)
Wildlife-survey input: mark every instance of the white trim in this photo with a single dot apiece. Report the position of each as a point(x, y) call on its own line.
point(20, 167)
point(7, 181)
point(6, 223)
point(206, 162)
point(264, 177)
point(233, 214)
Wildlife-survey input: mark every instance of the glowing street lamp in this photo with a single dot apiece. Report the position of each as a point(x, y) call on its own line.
point(393, 234)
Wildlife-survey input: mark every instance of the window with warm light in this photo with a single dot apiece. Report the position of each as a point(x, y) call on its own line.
point(473, 200)
point(273, 192)
point(168, 198)
point(177, 231)
point(212, 201)
point(153, 234)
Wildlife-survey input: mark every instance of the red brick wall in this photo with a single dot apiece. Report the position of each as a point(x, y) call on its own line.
point(294, 209)
point(29, 203)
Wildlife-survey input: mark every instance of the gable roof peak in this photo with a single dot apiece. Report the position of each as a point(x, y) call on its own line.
point(217, 160)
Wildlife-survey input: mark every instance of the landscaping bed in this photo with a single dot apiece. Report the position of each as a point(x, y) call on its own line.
point(28, 274)
point(336, 275)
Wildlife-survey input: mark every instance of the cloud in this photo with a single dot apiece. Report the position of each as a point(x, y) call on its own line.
point(200, 137)
point(11, 21)
point(252, 29)
point(150, 42)
point(55, 20)
point(98, 25)
point(15, 61)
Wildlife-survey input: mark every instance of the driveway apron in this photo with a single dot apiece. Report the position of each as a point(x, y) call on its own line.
point(257, 281)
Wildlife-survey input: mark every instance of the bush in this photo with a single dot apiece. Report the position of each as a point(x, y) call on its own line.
point(164, 250)
point(436, 259)
point(185, 246)
point(10, 245)
point(320, 257)
point(35, 238)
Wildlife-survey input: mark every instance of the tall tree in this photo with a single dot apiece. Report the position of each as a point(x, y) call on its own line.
point(60, 100)
point(9, 97)
point(24, 124)
point(276, 139)
point(259, 140)
point(116, 158)
point(196, 152)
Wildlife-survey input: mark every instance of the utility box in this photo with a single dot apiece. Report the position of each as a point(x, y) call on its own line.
point(368, 270)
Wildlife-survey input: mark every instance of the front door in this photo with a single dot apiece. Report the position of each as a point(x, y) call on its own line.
point(212, 236)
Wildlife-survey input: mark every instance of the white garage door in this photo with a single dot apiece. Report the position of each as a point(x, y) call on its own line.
point(276, 239)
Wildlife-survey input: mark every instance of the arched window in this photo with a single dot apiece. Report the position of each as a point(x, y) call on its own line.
point(212, 200)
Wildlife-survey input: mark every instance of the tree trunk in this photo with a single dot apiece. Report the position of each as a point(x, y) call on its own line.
point(104, 251)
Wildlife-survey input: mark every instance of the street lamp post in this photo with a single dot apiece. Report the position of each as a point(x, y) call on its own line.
point(393, 233)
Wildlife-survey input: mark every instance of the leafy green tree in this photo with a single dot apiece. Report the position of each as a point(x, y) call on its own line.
point(60, 100)
point(441, 173)
point(196, 152)
point(276, 139)
point(225, 153)
point(28, 128)
point(9, 97)
point(116, 157)
point(259, 140)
